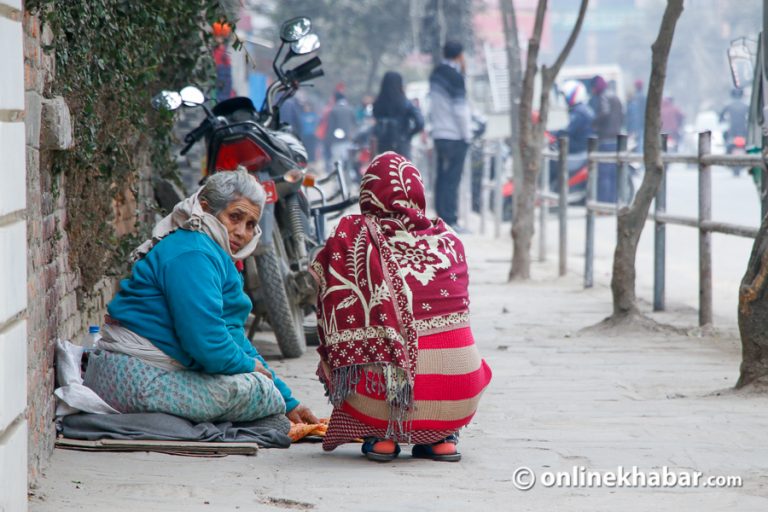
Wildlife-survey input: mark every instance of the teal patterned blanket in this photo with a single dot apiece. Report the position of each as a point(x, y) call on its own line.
point(132, 386)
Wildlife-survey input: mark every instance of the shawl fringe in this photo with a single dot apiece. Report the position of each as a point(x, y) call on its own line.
point(393, 382)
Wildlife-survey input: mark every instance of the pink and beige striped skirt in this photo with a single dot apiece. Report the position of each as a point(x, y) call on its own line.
point(450, 379)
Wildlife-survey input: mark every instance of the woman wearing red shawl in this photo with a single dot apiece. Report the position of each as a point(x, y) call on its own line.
point(398, 359)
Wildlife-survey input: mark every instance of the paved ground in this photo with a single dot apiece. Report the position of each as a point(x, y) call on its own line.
point(559, 400)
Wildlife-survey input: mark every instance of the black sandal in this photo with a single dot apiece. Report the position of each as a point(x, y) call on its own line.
point(369, 452)
point(425, 451)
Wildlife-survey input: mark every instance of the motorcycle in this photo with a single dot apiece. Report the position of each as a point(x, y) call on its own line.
point(736, 146)
point(578, 174)
point(237, 135)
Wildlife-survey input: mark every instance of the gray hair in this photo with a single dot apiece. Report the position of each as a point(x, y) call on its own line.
point(224, 187)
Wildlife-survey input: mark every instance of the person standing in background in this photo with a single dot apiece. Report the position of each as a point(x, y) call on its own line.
point(321, 133)
point(609, 118)
point(364, 109)
point(297, 112)
point(397, 119)
point(672, 122)
point(309, 121)
point(636, 115)
point(290, 114)
point(342, 127)
point(221, 33)
point(450, 118)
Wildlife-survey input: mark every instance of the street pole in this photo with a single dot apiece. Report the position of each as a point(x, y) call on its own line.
point(562, 210)
point(705, 236)
point(660, 238)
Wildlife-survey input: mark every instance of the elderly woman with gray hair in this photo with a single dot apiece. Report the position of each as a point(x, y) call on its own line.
point(174, 339)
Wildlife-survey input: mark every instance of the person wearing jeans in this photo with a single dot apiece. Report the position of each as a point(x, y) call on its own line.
point(450, 164)
point(450, 119)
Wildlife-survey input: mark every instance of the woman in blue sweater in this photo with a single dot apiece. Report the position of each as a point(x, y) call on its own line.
point(174, 339)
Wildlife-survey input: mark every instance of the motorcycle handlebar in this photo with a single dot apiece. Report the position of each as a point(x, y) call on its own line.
point(306, 67)
point(186, 148)
point(311, 76)
point(197, 133)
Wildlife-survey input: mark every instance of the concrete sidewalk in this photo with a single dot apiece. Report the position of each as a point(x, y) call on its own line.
point(558, 401)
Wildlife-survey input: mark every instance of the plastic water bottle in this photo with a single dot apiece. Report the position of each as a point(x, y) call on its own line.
point(94, 335)
point(89, 345)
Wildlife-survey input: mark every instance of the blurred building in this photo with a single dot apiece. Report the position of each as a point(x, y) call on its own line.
point(600, 41)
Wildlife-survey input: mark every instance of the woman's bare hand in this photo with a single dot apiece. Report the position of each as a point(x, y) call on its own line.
point(261, 369)
point(302, 414)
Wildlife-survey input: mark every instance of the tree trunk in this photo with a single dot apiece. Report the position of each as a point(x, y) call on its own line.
point(631, 220)
point(430, 31)
point(531, 139)
point(522, 223)
point(457, 16)
point(753, 306)
point(514, 68)
point(753, 313)
point(373, 70)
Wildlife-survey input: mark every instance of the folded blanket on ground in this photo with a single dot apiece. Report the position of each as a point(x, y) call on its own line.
point(269, 432)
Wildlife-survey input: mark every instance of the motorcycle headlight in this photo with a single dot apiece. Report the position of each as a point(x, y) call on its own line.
point(294, 176)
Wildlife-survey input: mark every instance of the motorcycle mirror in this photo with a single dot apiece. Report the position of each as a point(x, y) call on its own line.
point(307, 44)
point(191, 96)
point(294, 29)
point(166, 100)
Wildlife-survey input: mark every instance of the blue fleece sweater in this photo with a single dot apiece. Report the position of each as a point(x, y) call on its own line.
point(186, 296)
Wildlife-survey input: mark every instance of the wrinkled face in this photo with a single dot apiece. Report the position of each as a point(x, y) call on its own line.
point(241, 218)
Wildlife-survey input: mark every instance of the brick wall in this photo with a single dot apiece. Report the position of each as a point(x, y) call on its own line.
point(56, 309)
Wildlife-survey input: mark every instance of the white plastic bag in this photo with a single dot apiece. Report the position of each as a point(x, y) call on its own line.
point(73, 396)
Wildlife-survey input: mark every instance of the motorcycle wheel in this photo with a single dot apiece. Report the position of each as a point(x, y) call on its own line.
point(284, 315)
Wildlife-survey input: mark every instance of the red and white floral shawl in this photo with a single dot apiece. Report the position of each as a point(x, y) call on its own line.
point(384, 277)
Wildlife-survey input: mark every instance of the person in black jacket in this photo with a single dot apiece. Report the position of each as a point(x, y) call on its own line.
point(397, 119)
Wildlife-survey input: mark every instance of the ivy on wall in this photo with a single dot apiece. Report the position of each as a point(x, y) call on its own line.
point(111, 57)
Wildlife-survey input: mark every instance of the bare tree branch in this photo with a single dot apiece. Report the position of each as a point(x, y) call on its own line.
point(515, 73)
point(631, 220)
point(531, 140)
point(531, 62)
point(555, 68)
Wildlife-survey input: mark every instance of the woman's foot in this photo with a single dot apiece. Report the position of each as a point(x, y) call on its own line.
point(380, 450)
point(444, 451)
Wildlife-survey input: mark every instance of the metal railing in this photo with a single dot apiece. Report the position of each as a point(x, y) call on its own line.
point(491, 199)
point(703, 222)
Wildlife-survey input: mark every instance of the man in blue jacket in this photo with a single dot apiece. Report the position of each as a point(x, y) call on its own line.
point(580, 116)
